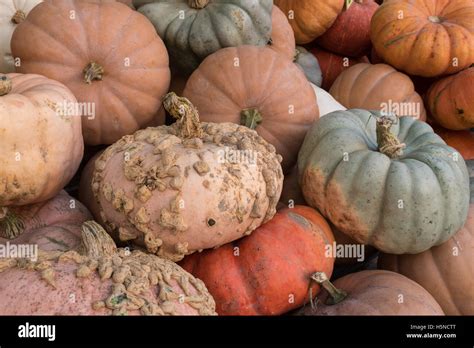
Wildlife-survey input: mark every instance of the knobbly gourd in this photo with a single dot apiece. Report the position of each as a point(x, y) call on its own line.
point(99, 280)
point(268, 272)
point(53, 225)
point(371, 293)
point(450, 100)
point(194, 29)
point(41, 141)
point(258, 88)
point(446, 270)
point(12, 13)
point(425, 38)
point(310, 18)
point(349, 35)
point(107, 54)
point(391, 183)
point(185, 187)
point(378, 87)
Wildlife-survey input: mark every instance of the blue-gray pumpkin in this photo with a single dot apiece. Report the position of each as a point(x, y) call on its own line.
point(395, 185)
point(194, 29)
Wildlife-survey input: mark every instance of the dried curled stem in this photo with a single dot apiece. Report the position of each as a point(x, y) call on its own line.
point(5, 85)
point(336, 294)
point(18, 17)
point(198, 4)
point(186, 115)
point(388, 143)
point(93, 71)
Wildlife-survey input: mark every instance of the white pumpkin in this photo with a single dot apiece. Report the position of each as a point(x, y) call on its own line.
point(326, 102)
point(12, 12)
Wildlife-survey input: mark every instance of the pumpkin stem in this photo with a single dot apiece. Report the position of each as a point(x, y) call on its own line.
point(185, 113)
point(434, 19)
point(5, 85)
point(96, 242)
point(250, 118)
point(93, 71)
point(18, 17)
point(11, 225)
point(336, 294)
point(387, 142)
point(198, 4)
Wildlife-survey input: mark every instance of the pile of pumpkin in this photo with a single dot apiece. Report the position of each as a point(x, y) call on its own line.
point(222, 161)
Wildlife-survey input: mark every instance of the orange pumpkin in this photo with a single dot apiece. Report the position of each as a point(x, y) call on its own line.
point(268, 272)
point(109, 55)
point(463, 141)
point(310, 18)
point(426, 38)
point(378, 87)
point(258, 88)
point(40, 138)
point(446, 270)
point(283, 39)
point(372, 293)
point(450, 100)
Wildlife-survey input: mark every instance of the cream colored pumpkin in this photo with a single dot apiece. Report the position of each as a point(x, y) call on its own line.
point(12, 12)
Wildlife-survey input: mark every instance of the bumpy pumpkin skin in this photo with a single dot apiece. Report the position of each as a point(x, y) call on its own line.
point(12, 12)
point(136, 71)
point(446, 270)
point(367, 86)
point(54, 225)
point(118, 282)
point(402, 205)
point(433, 38)
point(310, 18)
point(282, 39)
point(269, 268)
point(263, 80)
point(450, 100)
point(41, 147)
point(349, 35)
point(203, 31)
point(377, 293)
point(150, 188)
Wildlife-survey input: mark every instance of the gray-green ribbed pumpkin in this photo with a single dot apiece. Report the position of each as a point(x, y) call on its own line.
point(393, 184)
point(194, 29)
point(307, 62)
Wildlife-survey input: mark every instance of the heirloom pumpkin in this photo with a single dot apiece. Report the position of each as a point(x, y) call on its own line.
point(349, 35)
point(310, 18)
point(446, 270)
point(41, 142)
point(425, 38)
point(282, 39)
point(108, 55)
point(53, 225)
point(332, 65)
point(194, 29)
point(268, 272)
point(100, 280)
point(309, 64)
point(393, 184)
point(12, 13)
point(463, 141)
point(372, 293)
point(258, 88)
point(378, 87)
point(186, 187)
point(450, 100)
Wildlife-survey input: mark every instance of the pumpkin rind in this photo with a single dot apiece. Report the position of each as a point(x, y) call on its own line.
point(12, 13)
point(103, 280)
point(127, 95)
point(425, 37)
point(446, 270)
point(203, 31)
point(264, 81)
point(378, 87)
point(258, 274)
point(450, 100)
point(282, 39)
point(402, 205)
point(377, 293)
point(41, 144)
point(310, 18)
